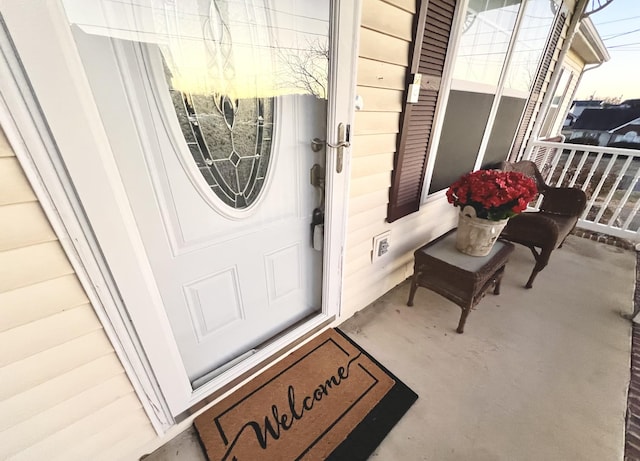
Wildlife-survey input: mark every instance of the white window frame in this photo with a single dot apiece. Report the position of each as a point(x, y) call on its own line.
point(461, 85)
point(554, 110)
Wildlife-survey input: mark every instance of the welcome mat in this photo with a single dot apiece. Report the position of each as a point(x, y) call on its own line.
point(327, 400)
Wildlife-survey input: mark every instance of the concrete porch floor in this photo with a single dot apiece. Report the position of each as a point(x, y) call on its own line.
point(539, 374)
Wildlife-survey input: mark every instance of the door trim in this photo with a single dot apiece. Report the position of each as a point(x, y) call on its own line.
point(62, 96)
point(26, 130)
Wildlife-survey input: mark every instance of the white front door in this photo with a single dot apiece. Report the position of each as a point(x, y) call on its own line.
point(211, 128)
point(209, 108)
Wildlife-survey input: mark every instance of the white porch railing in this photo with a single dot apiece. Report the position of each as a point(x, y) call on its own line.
point(608, 175)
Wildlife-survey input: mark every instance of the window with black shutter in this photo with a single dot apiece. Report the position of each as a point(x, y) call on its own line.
point(432, 30)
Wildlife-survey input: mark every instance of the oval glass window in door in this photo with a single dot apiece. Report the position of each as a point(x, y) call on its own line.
point(218, 71)
point(230, 141)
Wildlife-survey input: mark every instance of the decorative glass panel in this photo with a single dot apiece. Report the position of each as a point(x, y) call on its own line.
point(218, 75)
point(229, 139)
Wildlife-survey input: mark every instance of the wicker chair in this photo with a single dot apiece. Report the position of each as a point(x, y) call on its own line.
point(548, 228)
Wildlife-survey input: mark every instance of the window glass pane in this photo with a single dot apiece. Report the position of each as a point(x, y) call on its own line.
point(484, 42)
point(554, 108)
point(561, 88)
point(504, 130)
point(464, 124)
point(532, 38)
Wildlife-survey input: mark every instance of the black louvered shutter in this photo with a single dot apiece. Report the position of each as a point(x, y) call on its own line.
point(432, 28)
point(536, 90)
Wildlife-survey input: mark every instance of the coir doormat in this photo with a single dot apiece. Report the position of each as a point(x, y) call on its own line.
point(327, 400)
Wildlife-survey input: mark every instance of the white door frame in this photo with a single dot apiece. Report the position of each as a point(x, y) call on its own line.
point(61, 90)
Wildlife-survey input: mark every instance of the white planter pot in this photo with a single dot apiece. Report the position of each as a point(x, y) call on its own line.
point(476, 236)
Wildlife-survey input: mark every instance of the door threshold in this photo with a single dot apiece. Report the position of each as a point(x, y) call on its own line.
point(260, 365)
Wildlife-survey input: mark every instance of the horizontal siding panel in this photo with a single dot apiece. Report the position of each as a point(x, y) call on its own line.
point(357, 263)
point(116, 437)
point(32, 264)
point(407, 5)
point(380, 74)
point(46, 365)
point(368, 201)
point(380, 99)
point(397, 270)
point(372, 144)
point(5, 147)
point(37, 301)
point(26, 340)
point(57, 390)
point(371, 165)
point(63, 425)
point(369, 184)
point(372, 275)
point(376, 123)
point(367, 218)
point(387, 19)
point(381, 47)
point(366, 234)
point(363, 278)
point(361, 251)
point(14, 186)
point(58, 370)
point(365, 295)
point(574, 62)
point(23, 224)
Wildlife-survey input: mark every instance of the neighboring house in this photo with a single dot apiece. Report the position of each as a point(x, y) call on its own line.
point(580, 105)
point(627, 133)
point(606, 125)
point(155, 238)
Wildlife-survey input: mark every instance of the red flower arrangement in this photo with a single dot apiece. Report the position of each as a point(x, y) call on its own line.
point(494, 194)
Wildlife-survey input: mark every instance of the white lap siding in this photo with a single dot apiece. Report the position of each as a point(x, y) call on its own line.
point(385, 38)
point(63, 392)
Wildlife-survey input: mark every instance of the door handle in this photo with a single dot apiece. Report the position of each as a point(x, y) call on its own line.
point(317, 143)
point(343, 141)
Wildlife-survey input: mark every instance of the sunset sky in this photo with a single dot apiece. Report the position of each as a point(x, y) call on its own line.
point(619, 27)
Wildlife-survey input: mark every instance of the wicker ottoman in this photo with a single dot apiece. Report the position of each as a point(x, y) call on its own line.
point(460, 278)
